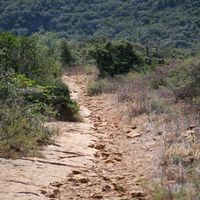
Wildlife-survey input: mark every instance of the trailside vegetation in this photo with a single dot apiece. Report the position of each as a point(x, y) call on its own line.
point(116, 57)
point(31, 93)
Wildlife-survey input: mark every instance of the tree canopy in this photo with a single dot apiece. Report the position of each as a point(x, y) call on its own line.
point(116, 57)
point(164, 22)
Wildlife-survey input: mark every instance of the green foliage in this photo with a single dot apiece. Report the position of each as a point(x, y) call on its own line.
point(185, 79)
point(157, 22)
point(21, 55)
point(21, 132)
point(21, 129)
point(115, 58)
point(31, 93)
point(97, 87)
point(56, 96)
point(65, 55)
point(36, 74)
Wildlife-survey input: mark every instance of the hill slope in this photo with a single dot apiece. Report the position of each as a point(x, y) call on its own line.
point(174, 22)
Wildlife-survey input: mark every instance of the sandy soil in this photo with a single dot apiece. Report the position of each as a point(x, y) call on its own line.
point(102, 157)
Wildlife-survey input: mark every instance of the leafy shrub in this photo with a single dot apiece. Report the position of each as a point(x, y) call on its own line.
point(22, 55)
point(185, 79)
point(54, 97)
point(65, 55)
point(36, 75)
point(61, 102)
point(115, 58)
point(21, 128)
point(30, 88)
point(97, 87)
point(21, 132)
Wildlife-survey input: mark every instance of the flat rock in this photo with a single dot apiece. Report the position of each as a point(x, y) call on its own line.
point(79, 179)
point(133, 135)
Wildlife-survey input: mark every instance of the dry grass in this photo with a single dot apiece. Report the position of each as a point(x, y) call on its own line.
point(179, 122)
point(181, 155)
point(139, 98)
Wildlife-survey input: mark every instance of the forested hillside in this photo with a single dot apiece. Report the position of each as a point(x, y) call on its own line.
point(163, 22)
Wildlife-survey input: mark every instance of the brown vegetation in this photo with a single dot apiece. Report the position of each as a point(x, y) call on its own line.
point(173, 116)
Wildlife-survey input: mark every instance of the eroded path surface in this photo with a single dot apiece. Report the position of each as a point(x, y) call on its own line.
point(39, 178)
point(127, 154)
point(102, 157)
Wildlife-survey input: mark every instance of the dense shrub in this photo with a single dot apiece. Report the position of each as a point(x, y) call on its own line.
point(36, 75)
point(31, 93)
point(97, 87)
point(21, 129)
point(22, 55)
point(21, 132)
point(65, 54)
point(56, 97)
point(185, 79)
point(115, 58)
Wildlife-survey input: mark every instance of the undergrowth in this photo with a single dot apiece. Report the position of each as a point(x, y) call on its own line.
point(32, 93)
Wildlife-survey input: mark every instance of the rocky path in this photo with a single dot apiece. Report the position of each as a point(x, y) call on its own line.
point(126, 156)
point(102, 157)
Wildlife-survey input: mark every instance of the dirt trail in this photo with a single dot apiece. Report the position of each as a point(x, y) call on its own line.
point(38, 178)
point(126, 155)
point(100, 158)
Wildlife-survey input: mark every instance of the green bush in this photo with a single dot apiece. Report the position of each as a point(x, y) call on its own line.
point(59, 98)
point(21, 128)
point(97, 87)
point(36, 76)
point(115, 58)
point(66, 54)
point(185, 79)
point(21, 54)
point(21, 132)
point(31, 92)
point(49, 100)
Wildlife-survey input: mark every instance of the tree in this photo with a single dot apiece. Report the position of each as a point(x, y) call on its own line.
point(19, 54)
point(65, 55)
point(115, 58)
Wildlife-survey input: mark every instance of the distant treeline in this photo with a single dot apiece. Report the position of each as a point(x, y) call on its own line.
point(160, 22)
